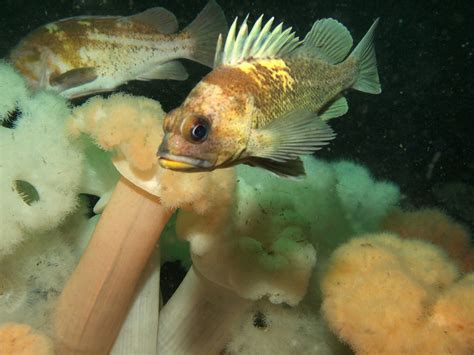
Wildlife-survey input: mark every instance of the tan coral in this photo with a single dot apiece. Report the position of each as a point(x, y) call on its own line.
point(21, 339)
point(386, 295)
point(436, 227)
point(454, 311)
point(129, 125)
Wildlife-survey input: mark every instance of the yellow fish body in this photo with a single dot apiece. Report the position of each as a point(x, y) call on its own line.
point(268, 98)
point(84, 55)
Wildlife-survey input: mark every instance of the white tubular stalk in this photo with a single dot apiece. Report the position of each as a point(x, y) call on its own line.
point(139, 333)
point(198, 317)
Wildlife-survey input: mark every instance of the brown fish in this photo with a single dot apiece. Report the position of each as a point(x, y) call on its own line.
point(84, 55)
point(268, 97)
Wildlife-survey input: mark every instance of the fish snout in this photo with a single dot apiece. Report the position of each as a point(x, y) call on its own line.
point(163, 148)
point(168, 158)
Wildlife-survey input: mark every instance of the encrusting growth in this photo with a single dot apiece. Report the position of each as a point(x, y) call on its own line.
point(21, 339)
point(386, 295)
point(436, 227)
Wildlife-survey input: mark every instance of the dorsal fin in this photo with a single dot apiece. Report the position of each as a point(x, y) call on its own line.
point(162, 20)
point(258, 43)
point(328, 40)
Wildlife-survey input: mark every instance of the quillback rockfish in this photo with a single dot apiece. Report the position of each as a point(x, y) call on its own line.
point(84, 55)
point(268, 99)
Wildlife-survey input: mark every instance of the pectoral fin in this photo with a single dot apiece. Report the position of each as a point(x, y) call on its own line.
point(289, 169)
point(73, 78)
point(296, 133)
point(173, 70)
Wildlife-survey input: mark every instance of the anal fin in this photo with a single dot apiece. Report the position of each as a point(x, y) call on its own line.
point(337, 108)
point(172, 70)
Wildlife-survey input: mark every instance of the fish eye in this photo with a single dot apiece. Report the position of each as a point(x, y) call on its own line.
point(197, 129)
point(199, 132)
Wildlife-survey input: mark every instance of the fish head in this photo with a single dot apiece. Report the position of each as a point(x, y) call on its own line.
point(210, 130)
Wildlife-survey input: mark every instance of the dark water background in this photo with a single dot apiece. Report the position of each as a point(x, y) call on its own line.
point(425, 55)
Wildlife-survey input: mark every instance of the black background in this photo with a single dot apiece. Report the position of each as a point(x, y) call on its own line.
point(425, 53)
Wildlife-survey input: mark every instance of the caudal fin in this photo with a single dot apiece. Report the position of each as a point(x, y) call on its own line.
point(204, 31)
point(364, 53)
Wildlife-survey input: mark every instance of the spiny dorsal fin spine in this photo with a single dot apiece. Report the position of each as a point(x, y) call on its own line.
point(259, 42)
point(268, 39)
point(218, 53)
point(252, 35)
point(277, 45)
point(261, 37)
point(239, 41)
point(290, 47)
point(229, 42)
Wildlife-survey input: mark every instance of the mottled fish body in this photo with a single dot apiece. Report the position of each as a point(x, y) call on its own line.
point(268, 99)
point(84, 55)
point(278, 86)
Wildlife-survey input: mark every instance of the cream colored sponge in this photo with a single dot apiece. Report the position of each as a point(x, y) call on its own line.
point(386, 295)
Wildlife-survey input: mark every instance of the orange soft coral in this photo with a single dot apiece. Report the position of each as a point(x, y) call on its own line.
point(129, 125)
point(21, 339)
point(386, 295)
point(436, 227)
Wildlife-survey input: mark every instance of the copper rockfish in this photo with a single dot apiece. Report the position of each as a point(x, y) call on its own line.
point(268, 98)
point(84, 55)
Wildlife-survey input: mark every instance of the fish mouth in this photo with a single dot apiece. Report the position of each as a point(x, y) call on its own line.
point(183, 163)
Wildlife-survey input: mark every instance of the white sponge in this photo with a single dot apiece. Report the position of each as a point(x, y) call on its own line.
point(40, 168)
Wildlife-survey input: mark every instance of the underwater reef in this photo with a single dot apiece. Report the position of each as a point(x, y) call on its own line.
point(370, 252)
point(260, 245)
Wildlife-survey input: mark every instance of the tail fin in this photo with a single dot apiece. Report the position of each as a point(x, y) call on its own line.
point(368, 77)
point(204, 31)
